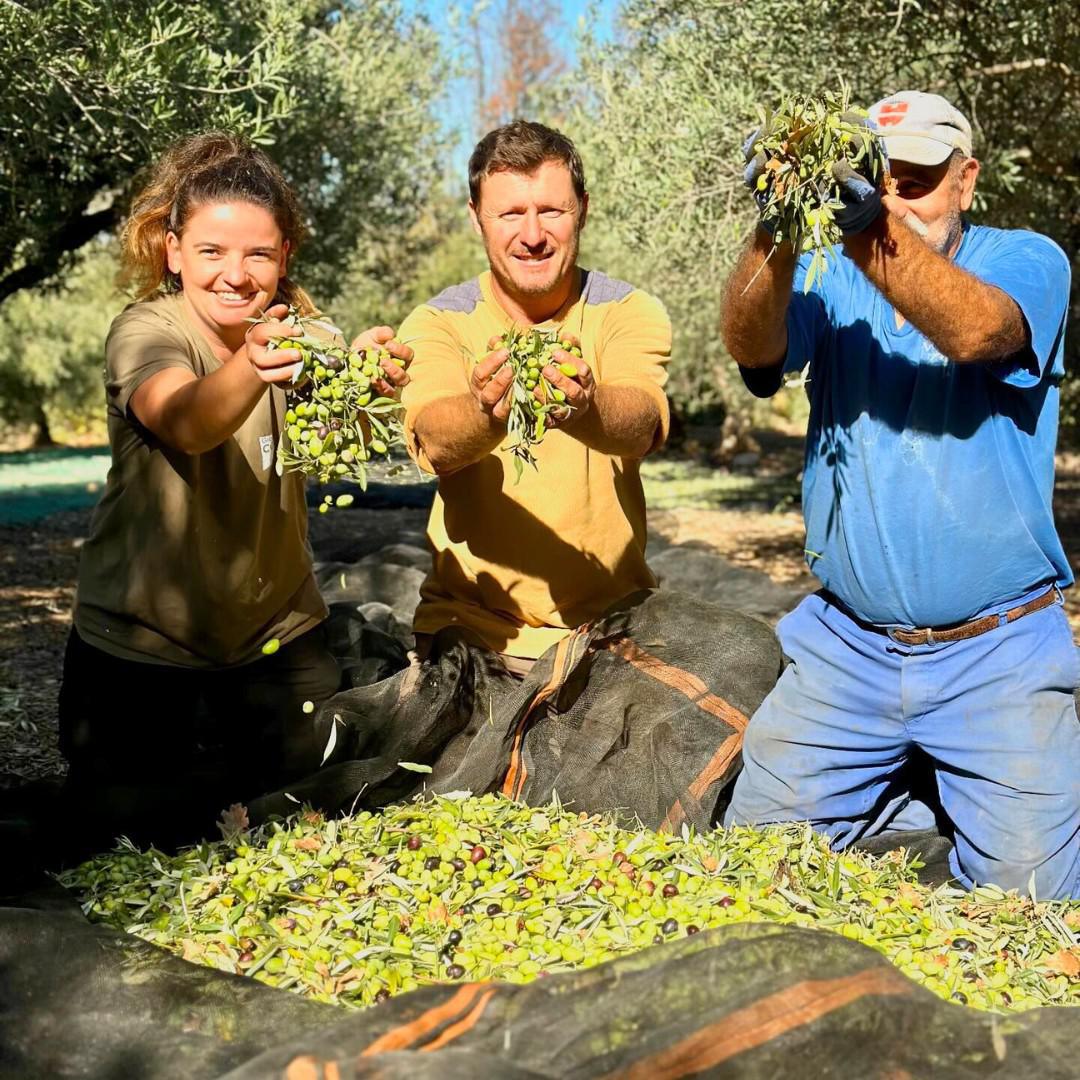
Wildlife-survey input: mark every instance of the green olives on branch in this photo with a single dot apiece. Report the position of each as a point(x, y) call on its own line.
point(799, 143)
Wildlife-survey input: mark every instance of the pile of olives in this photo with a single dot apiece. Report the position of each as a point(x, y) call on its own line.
point(457, 887)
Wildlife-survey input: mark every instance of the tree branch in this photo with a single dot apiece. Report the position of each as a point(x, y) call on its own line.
point(70, 236)
point(1021, 65)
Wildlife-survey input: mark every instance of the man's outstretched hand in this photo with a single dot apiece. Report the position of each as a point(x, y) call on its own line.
point(579, 388)
point(490, 382)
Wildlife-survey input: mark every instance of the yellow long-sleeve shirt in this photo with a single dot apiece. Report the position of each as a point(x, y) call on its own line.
point(522, 564)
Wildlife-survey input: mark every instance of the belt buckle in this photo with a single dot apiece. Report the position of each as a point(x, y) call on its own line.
point(893, 631)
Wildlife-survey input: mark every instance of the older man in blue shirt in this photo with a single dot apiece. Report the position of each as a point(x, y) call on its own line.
point(935, 353)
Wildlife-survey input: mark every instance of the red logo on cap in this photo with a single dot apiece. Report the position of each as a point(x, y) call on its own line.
point(892, 113)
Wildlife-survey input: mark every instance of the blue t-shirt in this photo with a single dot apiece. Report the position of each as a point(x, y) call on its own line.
point(928, 484)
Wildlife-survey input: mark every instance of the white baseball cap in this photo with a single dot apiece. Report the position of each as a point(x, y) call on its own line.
point(923, 129)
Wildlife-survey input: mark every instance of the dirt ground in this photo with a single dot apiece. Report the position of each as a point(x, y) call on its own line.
point(39, 563)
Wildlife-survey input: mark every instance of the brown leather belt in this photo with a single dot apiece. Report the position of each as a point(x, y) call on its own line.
point(930, 636)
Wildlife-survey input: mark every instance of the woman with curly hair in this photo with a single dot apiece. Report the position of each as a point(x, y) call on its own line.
point(198, 552)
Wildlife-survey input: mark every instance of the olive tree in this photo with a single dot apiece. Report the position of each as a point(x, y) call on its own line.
point(341, 93)
point(52, 350)
point(93, 92)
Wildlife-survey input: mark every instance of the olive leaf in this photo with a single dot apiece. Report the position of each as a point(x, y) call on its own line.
point(233, 822)
point(331, 742)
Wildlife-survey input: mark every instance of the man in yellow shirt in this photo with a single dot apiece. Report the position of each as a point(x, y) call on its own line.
point(551, 666)
point(519, 564)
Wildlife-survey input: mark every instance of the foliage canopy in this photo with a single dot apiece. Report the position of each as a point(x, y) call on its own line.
point(345, 95)
point(54, 347)
point(93, 92)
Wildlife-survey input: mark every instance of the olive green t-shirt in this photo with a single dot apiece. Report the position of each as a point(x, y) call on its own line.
point(193, 560)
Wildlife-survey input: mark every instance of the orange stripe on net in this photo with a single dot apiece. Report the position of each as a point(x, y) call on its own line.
point(514, 781)
point(517, 762)
point(761, 1022)
point(715, 769)
point(685, 682)
point(400, 1038)
point(691, 687)
point(309, 1067)
point(675, 816)
point(718, 764)
point(463, 1025)
point(305, 1067)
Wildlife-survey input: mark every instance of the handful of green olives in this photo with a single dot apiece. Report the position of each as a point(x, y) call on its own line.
point(532, 397)
point(337, 422)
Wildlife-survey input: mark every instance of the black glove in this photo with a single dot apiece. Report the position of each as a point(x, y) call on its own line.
point(755, 168)
point(861, 197)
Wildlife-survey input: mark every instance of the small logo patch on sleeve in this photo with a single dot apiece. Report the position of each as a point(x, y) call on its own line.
point(266, 448)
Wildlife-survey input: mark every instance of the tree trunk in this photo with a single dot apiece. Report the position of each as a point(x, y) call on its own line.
point(43, 435)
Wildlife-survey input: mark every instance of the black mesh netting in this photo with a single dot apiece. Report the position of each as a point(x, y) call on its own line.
point(640, 713)
point(752, 1001)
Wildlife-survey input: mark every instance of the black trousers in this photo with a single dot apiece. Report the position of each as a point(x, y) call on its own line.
point(157, 752)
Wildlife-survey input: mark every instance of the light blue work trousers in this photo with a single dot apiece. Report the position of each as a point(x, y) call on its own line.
point(994, 713)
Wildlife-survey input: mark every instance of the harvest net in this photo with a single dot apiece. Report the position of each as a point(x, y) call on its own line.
point(640, 714)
